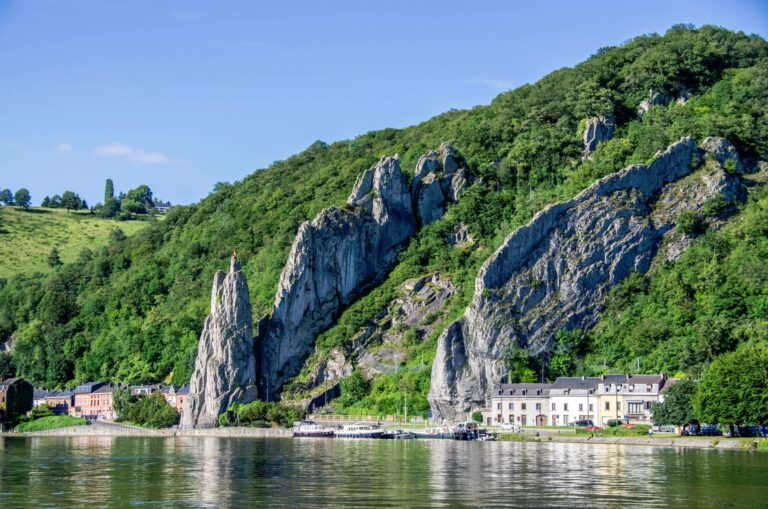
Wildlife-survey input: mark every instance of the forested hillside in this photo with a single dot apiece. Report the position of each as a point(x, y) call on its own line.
point(132, 311)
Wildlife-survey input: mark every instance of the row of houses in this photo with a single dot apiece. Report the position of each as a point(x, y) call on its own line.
point(568, 399)
point(96, 399)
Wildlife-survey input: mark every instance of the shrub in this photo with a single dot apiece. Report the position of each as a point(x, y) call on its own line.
point(477, 416)
point(689, 223)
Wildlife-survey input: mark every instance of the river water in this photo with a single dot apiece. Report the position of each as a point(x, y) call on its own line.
point(102, 471)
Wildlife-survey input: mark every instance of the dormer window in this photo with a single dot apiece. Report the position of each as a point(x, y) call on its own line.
point(631, 387)
point(538, 392)
point(648, 388)
point(607, 388)
point(525, 391)
point(566, 391)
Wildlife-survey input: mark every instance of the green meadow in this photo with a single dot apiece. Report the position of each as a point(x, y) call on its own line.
point(27, 236)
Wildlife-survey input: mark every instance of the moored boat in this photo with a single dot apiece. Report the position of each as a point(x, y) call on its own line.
point(359, 430)
point(312, 429)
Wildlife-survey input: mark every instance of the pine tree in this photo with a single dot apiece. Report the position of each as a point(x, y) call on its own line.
point(109, 191)
point(53, 259)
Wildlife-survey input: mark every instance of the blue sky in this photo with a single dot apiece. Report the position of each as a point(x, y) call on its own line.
point(181, 94)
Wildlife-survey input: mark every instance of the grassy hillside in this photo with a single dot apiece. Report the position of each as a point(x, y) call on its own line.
point(133, 310)
point(27, 236)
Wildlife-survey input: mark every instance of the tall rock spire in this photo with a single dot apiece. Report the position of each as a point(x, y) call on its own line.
point(225, 368)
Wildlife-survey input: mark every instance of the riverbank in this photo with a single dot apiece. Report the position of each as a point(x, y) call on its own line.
point(719, 443)
point(120, 430)
point(135, 431)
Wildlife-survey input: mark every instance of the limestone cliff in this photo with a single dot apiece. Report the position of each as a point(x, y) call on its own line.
point(554, 272)
point(439, 179)
point(334, 258)
point(225, 369)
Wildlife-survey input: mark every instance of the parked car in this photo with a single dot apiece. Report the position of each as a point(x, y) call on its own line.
point(664, 429)
point(583, 423)
point(508, 426)
point(710, 430)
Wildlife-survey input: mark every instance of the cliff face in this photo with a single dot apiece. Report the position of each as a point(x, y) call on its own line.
point(225, 368)
point(555, 272)
point(334, 258)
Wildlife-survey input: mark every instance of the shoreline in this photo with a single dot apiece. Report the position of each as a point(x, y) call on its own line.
point(714, 443)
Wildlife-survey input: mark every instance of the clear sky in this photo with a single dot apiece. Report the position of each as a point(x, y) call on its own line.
point(182, 94)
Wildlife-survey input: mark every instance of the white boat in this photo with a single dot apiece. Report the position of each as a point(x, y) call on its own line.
point(311, 429)
point(359, 430)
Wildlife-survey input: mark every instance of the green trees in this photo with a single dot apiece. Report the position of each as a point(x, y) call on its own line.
point(22, 198)
point(152, 411)
point(677, 408)
point(138, 200)
point(71, 201)
point(54, 260)
point(6, 197)
point(109, 191)
point(261, 413)
point(734, 388)
point(353, 389)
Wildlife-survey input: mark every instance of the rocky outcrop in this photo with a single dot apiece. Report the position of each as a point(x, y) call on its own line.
point(380, 347)
point(555, 272)
point(438, 179)
point(225, 369)
point(334, 258)
point(597, 130)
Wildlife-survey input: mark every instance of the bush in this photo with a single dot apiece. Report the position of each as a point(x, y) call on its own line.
point(612, 423)
point(152, 411)
point(477, 416)
point(261, 413)
point(689, 223)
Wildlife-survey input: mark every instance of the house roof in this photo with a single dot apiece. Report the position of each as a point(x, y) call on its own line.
point(632, 379)
point(183, 390)
point(106, 389)
point(88, 387)
point(517, 389)
point(8, 382)
point(41, 393)
point(59, 394)
point(575, 382)
point(669, 383)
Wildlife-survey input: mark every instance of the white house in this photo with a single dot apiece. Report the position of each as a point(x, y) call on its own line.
point(522, 404)
point(572, 399)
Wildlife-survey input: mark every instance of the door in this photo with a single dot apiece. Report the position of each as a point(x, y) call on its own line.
point(523, 420)
point(541, 420)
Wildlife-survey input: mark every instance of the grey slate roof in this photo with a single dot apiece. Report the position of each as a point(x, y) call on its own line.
point(576, 382)
point(517, 389)
point(88, 387)
point(633, 379)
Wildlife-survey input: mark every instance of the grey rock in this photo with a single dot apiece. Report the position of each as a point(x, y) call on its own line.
point(555, 272)
point(334, 258)
point(653, 99)
point(460, 236)
point(430, 202)
point(225, 367)
point(597, 130)
point(721, 150)
point(438, 180)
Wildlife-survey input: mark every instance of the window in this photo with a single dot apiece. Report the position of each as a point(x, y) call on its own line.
point(647, 405)
point(581, 407)
point(511, 406)
point(525, 391)
point(607, 405)
point(591, 407)
point(648, 388)
point(607, 388)
point(565, 407)
point(631, 387)
point(498, 406)
point(635, 407)
point(618, 405)
point(554, 406)
point(538, 407)
point(522, 406)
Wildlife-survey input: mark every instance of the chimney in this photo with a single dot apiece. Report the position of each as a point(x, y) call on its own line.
point(628, 376)
point(583, 377)
point(602, 377)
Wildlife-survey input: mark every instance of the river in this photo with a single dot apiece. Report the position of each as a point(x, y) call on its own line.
point(103, 471)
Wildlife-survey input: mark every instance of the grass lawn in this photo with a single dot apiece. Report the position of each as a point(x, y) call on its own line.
point(51, 422)
point(27, 237)
point(641, 430)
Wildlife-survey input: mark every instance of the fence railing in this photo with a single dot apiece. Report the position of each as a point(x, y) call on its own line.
point(354, 418)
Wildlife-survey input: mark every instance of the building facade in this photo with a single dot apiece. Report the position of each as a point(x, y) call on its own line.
point(521, 404)
point(59, 401)
point(630, 397)
point(572, 399)
point(16, 398)
point(94, 400)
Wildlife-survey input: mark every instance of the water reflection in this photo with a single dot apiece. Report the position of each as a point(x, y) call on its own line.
point(241, 472)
